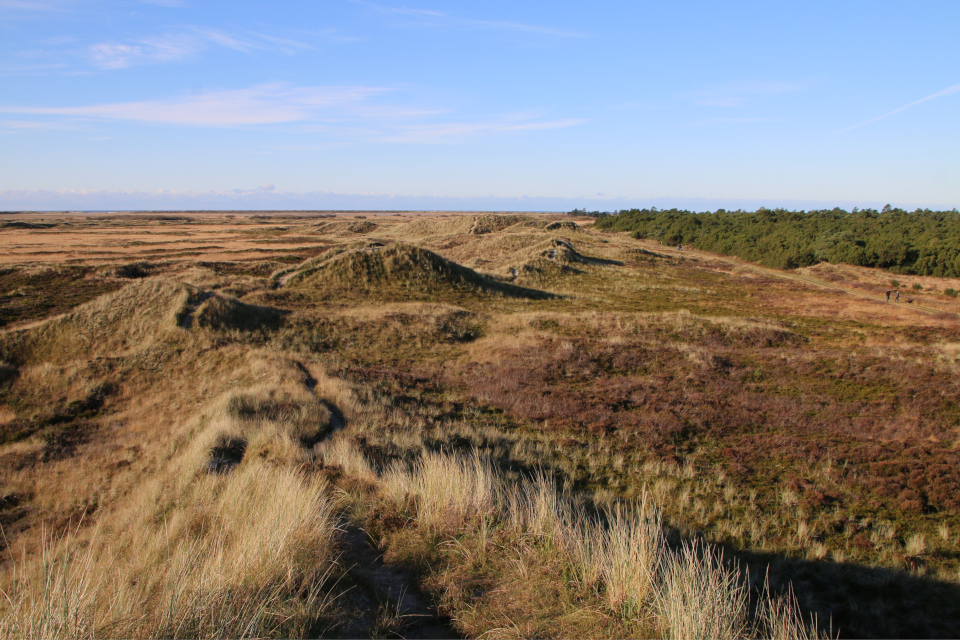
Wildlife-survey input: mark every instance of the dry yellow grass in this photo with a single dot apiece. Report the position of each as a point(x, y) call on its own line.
point(177, 551)
point(188, 553)
point(244, 553)
point(689, 592)
point(233, 557)
point(200, 448)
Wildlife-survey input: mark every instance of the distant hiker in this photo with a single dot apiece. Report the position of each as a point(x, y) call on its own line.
point(680, 247)
point(888, 296)
point(898, 296)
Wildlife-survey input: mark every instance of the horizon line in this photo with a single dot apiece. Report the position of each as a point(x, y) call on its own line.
point(464, 211)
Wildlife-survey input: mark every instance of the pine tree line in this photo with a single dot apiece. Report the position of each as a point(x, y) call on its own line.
point(923, 242)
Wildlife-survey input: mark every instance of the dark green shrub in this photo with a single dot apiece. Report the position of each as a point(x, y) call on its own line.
point(922, 243)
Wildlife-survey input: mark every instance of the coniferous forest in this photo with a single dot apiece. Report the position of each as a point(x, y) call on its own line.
point(923, 242)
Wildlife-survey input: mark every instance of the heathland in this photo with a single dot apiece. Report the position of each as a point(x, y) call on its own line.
point(432, 425)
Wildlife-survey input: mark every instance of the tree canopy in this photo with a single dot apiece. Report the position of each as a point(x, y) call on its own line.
point(923, 242)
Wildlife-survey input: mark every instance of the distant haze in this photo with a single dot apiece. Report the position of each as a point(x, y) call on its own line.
point(259, 200)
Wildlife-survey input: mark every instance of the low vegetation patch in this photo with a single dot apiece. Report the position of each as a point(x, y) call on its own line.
point(29, 294)
point(380, 433)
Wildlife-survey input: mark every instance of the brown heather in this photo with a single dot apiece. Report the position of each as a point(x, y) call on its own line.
point(434, 425)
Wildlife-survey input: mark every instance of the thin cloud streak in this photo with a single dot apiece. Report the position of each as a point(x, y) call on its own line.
point(285, 45)
point(939, 94)
point(48, 6)
point(736, 94)
point(503, 25)
point(341, 113)
point(263, 104)
point(37, 125)
point(738, 121)
point(171, 47)
point(159, 49)
point(30, 68)
point(444, 20)
point(26, 5)
point(444, 132)
point(400, 10)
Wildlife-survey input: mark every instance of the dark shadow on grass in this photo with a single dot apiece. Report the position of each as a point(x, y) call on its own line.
point(861, 601)
point(852, 600)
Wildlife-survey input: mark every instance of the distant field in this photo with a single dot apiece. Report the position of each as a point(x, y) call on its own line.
point(219, 424)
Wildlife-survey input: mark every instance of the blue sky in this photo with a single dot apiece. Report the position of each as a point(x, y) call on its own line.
point(493, 105)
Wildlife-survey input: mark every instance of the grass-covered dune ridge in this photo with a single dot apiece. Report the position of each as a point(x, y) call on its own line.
point(126, 319)
point(405, 268)
point(361, 426)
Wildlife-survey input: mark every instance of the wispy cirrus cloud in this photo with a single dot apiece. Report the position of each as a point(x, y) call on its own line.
point(263, 104)
point(440, 19)
point(26, 5)
point(442, 132)
point(748, 120)
point(12, 8)
point(11, 69)
point(738, 94)
point(114, 55)
point(251, 41)
point(36, 125)
point(346, 114)
point(939, 94)
point(171, 47)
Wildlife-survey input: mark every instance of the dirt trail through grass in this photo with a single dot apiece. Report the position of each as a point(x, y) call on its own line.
point(388, 600)
point(796, 277)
